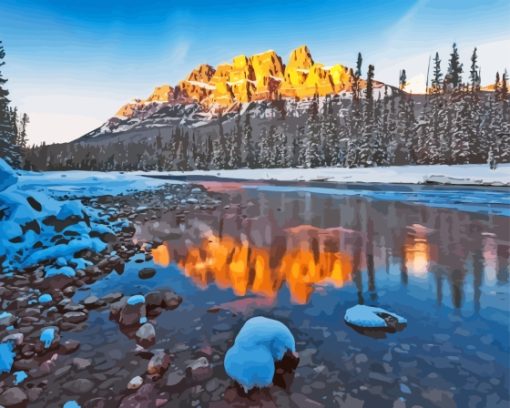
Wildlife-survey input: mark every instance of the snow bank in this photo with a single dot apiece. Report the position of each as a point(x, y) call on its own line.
point(260, 342)
point(466, 174)
point(30, 221)
point(371, 317)
point(7, 176)
point(88, 183)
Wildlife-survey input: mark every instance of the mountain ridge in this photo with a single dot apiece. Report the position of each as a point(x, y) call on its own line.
point(261, 76)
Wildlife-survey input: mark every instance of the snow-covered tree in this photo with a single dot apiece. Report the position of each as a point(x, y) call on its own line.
point(9, 150)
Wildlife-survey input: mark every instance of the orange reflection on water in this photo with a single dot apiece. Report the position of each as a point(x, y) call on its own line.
point(417, 252)
point(306, 257)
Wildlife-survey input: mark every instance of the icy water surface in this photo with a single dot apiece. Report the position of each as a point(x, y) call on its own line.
point(304, 254)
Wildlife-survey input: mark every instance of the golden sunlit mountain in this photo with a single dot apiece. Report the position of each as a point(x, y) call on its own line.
point(258, 77)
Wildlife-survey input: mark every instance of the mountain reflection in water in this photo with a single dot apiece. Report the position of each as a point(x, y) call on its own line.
point(257, 243)
point(301, 257)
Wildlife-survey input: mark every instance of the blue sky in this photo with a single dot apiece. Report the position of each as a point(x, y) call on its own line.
point(71, 64)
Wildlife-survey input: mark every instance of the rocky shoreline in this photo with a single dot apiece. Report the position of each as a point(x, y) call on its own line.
point(40, 310)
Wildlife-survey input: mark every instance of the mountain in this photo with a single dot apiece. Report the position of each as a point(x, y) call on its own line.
point(259, 77)
point(262, 81)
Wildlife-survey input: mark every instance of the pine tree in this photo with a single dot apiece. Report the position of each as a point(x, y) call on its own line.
point(402, 80)
point(437, 76)
point(503, 94)
point(313, 156)
point(368, 143)
point(474, 73)
point(248, 146)
point(9, 151)
point(330, 137)
point(453, 78)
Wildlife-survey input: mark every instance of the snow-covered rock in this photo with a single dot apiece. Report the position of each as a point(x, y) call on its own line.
point(29, 219)
point(49, 336)
point(6, 357)
point(373, 318)
point(259, 344)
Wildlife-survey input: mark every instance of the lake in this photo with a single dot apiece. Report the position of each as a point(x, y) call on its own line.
point(304, 253)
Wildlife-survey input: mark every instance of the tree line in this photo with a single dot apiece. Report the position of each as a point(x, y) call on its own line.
point(455, 122)
point(13, 126)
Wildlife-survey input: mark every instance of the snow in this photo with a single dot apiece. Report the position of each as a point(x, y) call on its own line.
point(6, 357)
point(259, 343)
point(202, 85)
point(19, 377)
point(465, 174)
point(7, 176)
point(5, 316)
point(45, 298)
point(88, 183)
point(71, 404)
point(135, 300)
point(47, 336)
point(368, 317)
point(64, 271)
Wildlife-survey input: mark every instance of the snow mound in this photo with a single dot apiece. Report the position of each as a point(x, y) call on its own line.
point(372, 317)
point(7, 176)
point(30, 220)
point(259, 344)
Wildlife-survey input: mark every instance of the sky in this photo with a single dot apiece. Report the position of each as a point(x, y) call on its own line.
point(72, 64)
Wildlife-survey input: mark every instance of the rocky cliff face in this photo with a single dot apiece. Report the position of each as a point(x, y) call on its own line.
point(259, 77)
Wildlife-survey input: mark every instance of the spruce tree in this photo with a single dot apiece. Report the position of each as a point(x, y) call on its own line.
point(453, 77)
point(9, 151)
point(402, 80)
point(437, 76)
point(248, 146)
point(474, 72)
point(313, 155)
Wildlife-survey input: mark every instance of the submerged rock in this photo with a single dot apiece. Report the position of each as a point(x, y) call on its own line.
point(200, 370)
point(79, 386)
point(146, 335)
point(146, 273)
point(159, 363)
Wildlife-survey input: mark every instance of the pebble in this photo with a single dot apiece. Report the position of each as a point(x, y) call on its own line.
point(158, 363)
point(174, 379)
point(81, 363)
point(75, 317)
point(360, 358)
point(146, 335)
point(13, 397)
point(146, 273)
point(79, 386)
point(135, 383)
